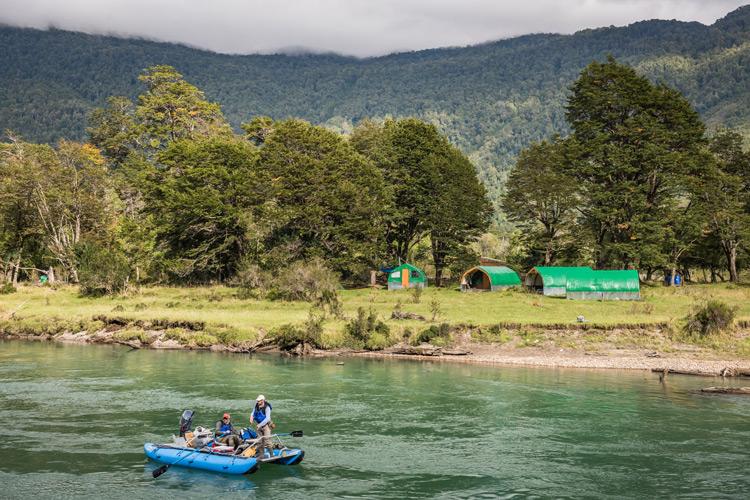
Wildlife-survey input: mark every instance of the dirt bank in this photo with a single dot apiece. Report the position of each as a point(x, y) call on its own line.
point(542, 352)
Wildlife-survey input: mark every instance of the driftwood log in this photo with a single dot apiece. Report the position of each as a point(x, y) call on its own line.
point(407, 315)
point(724, 372)
point(418, 350)
point(728, 390)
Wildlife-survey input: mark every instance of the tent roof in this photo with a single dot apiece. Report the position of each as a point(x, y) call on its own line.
point(559, 276)
point(405, 265)
point(605, 281)
point(499, 275)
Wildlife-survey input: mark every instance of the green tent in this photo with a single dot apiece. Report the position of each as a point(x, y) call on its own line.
point(552, 281)
point(489, 278)
point(406, 276)
point(605, 285)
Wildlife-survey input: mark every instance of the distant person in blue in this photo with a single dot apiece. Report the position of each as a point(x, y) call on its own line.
point(225, 432)
point(261, 417)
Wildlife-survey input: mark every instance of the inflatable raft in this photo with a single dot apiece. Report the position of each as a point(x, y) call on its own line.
point(227, 463)
point(200, 459)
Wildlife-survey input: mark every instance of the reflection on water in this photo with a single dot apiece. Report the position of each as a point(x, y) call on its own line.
point(75, 419)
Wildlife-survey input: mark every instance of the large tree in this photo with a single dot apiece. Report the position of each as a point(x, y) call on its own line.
point(541, 198)
point(328, 198)
point(725, 195)
point(636, 141)
point(205, 201)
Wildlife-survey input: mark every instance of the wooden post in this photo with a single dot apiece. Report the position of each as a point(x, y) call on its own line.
point(373, 278)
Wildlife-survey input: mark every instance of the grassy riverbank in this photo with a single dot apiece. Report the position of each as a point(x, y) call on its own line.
point(494, 317)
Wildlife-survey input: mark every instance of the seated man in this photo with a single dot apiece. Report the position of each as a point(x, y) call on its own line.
point(225, 432)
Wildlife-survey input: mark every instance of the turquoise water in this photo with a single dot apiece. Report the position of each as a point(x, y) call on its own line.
point(75, 419)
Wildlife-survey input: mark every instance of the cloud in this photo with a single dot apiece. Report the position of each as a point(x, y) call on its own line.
point(354, 27)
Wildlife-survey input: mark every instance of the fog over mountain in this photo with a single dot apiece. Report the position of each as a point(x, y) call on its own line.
point(352, 27)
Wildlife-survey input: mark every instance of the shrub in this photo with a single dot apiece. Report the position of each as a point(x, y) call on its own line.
point(441, 331)
point(416, 295)
point(309, 281)
point(7, 288)
point(101, 270)
point(710, 318)
point(364, 325)
point(289, 336)
point(435, 308)
point(377, 342)
point(252, 282)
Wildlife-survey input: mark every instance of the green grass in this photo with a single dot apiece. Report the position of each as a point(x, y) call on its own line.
point(232, 320)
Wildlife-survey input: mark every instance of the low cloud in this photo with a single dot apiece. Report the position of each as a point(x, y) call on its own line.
point(354, 27)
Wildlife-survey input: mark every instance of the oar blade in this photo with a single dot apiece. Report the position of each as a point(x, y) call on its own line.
point(161, 470)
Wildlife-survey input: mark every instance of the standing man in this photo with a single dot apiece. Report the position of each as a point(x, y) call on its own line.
point(261, 416)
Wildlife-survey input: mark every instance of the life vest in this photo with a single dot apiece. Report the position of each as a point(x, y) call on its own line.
point(259, 415)
point(225, 427)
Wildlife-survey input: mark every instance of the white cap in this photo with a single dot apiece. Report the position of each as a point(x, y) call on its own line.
point(260, 398)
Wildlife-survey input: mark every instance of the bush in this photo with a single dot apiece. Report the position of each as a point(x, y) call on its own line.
point(7, 288)
point(289, 336)
point(416, 294)
point(365, 325)
point(252, 282)
point(709, 319)
point(441, 331)
point(101, 270)
point(308, 281)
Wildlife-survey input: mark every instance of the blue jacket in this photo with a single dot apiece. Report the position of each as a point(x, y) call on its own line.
point(262, 417)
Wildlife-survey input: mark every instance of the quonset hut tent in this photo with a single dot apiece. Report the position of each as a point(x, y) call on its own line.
point(585, 283)
point(406, 276)
point(605, 285)
point(490, 278)
point(552, 281)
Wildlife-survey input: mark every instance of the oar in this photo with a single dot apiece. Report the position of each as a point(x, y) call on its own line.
point(297, 434)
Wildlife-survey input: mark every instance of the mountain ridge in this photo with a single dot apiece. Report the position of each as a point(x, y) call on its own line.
point(491, 99)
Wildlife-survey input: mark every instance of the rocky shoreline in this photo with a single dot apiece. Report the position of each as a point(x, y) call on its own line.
point(697, 363)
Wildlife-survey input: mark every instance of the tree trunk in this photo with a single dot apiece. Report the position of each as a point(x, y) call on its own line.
point(731, 253)
point(17, 268)
point(51, 275)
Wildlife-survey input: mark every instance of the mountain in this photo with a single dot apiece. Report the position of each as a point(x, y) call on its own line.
point(491, 99)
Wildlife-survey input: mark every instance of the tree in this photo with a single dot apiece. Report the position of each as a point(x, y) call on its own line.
point(204, 202)
point(636, 141)
point(173, 109)
point(541, 197)
point(329, 199)
point(20, 231)
point(725, 196)
point(113, 129)
point(459, 211)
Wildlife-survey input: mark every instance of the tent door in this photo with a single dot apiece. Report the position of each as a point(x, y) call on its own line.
point(405, 278)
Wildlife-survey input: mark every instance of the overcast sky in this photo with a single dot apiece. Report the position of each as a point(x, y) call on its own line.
point(354, 27)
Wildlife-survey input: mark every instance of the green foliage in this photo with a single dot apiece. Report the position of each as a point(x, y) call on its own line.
point(492, 100)
point(205, 202)
point(7, 288)
point(416, 294)
point(435, 334)
point(709, 319)
point(307, 281)
point(329, 200)
point(102, 270)
point(367, 329)
point(289, 336)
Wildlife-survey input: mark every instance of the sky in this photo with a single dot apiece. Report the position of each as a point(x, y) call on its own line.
point(353, 27)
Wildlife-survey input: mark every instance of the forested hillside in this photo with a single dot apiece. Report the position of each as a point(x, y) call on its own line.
point(491, 100)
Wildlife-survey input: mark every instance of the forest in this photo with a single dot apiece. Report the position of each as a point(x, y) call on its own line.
point(166, 192)
point(491, 100)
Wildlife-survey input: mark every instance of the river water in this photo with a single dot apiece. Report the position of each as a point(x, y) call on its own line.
point(75, 418)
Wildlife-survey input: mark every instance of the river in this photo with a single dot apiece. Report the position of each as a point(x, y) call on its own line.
point(75, 418)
